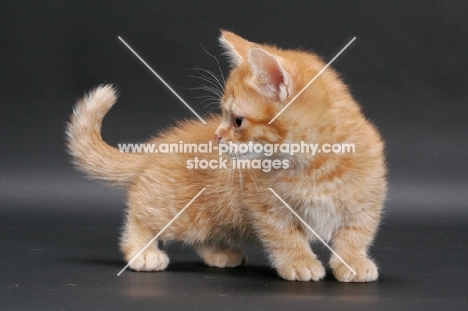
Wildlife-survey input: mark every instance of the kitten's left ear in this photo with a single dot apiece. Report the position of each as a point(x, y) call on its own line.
point(235, 47)
point(272, 78)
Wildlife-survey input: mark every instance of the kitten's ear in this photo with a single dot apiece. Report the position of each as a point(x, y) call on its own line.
point(235, 47)
point(273, 80)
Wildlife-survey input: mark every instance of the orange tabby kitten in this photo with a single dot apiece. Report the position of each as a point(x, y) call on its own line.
point(340, 195)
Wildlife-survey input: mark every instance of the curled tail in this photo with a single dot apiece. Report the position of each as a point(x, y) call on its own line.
point(84, 142)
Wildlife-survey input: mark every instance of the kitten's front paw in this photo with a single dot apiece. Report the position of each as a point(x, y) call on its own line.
point(225, 259)
point(150, 261)
point(366, 270)
point(302, 270)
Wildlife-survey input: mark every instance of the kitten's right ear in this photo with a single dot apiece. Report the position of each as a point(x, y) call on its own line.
point(271, 76)
point(235, 47)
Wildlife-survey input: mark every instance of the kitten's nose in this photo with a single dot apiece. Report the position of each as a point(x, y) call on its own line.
point(217, 137)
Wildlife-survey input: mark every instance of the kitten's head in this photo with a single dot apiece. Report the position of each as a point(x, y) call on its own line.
point(262, 81)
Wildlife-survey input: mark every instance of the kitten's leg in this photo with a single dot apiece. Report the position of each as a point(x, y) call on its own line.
point(220, 256)
point(293, 258)
point(134, 239)
point(288, 247)
point(352, 243)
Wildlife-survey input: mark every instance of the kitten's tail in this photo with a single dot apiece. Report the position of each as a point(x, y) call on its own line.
point(84, 142)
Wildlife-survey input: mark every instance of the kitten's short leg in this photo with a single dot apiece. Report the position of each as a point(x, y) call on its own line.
point(288, 247)
point(293, 258)
point(220, 256)
point(134, 239)
point(352, 243)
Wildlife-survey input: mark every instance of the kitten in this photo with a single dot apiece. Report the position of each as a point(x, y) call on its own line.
point(339, 195)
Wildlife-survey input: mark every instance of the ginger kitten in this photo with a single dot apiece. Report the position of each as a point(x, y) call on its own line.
point(340, 195)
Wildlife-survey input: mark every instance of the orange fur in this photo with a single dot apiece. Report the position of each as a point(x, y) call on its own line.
point(339, 195)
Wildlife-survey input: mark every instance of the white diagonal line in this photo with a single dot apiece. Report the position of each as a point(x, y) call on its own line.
point(313, 79)
point(162, 230)
point(313, 231)
point(162, 80)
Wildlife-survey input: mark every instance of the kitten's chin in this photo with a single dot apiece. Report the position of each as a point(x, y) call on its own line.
point(255, 156)
point(246, 156)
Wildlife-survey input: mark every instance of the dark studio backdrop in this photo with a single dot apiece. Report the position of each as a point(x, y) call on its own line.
point(408, 68)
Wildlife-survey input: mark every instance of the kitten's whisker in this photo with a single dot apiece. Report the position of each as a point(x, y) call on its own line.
point(209, 102)
point(211, 105)
point(211, 109)
point(230, 175)
point(220, 175)
point(207, 97)
point(241, 181)
point(211, 84)
point(219, 66)
point(203, 78)
point(228, 179)
point(212, 89)
point(212, 100)
point(210, 76)
point(216, 78)
point(223, 156)
point(254, 180)
point(233, 175)
point(209, 89)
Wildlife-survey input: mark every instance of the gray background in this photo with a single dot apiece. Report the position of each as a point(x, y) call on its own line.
point(408, 68)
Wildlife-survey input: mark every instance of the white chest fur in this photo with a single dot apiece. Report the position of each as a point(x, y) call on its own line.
point(320, 211)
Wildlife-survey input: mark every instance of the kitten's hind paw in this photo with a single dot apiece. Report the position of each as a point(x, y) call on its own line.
point(302, 270)
point(226, 259)
point(150, 261)
point(366, 271)
point(221, 257)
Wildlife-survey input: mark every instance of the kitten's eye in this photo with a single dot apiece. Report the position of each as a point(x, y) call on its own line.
point(238, 121)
